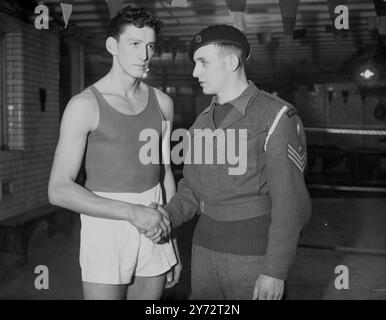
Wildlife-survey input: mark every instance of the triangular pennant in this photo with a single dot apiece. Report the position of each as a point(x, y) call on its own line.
point(174, 53)
point(380, 7)
point(363, 96)
point(66, 6)
point(179, 3)
point(380, 111)
point(239, 20)
point(330, 94)
point(328, 28)
point(159, 46)
point(372, 23)
point(287, 40)
point(264, 37)
point(114, 6)
point(381, 24)
point(373, 28)
point(345, 94)
point(289, 24)
point(289, 8)
point(299, 34)
point(174, 42)
point(236, 5)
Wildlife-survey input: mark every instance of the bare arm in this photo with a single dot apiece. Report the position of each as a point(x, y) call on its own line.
point(166, 104)
point(79, 118)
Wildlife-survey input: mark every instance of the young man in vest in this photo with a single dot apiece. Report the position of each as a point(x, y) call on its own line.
point(117, 260)
point(250, 220)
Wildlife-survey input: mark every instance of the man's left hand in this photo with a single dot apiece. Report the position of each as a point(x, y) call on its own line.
point(268, 288)
point(173, 276)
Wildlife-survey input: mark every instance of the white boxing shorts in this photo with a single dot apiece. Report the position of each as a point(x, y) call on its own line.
point(113, 251)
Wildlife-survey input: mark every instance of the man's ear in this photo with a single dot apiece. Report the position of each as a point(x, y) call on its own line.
point(112, 45)
point(233, 62)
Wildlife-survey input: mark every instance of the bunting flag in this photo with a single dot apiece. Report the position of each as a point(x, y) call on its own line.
point(363, 97)
point(299, 34)
point(377, 25)
point(66, 6)
point(289, 10)
point(381, 24)
point(380, 7)
point(174, 42)
point(114, 6)
point(238, 19)
point(236, 5)
point(237, 12)
point(380, 111)
point(345, 94)
point(373, 27)
point(330, 93)
point(159, 46)
point(264, 37)
point(179, 3)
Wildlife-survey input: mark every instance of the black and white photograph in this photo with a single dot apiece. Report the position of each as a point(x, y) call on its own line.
point(194, 154)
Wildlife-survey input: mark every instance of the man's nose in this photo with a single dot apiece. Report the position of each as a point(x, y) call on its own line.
point(195, 71)
point(144, 54)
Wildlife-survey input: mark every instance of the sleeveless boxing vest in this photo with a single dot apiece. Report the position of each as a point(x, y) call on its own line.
point(112, 158)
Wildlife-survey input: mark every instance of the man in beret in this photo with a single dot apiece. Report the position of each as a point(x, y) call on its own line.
point(249, 224)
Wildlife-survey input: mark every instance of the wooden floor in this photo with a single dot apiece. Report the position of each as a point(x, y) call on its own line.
point(349, 232)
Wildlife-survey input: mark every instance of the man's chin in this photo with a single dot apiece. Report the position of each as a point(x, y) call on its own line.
point(135, 74)
point(206, 90)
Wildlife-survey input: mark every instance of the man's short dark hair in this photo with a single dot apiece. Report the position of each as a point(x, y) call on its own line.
point(138, 17)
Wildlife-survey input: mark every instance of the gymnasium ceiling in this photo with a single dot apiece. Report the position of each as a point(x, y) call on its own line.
point(319, 55)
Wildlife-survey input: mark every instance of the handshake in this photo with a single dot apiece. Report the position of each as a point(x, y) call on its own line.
point(152, 221)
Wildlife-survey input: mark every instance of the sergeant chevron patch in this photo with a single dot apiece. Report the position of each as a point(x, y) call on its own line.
point(298, 158)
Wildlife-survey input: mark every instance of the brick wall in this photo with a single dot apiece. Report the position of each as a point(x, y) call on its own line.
point(32, 62)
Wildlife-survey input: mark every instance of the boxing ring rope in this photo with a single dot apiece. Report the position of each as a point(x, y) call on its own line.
point(368, 132)
point(352, 250)
point(347, 131)
point(345, 188)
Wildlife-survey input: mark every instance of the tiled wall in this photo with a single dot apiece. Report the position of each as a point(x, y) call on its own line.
point(32, 63)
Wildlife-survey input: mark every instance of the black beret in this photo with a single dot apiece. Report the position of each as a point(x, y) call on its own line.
point(220, 33)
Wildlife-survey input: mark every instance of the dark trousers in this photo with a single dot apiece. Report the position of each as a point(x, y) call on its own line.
point(223, 276)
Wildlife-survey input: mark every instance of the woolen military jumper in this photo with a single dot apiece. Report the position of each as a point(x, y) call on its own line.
point(262, 211)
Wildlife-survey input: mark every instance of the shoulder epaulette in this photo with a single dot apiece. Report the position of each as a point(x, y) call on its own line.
point(291, 112)
point(276, 99)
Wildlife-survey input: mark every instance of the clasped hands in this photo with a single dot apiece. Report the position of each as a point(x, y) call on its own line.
point(160, 229)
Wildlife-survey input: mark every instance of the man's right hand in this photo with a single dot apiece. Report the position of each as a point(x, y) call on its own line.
point(156, 235)
point(149, 218)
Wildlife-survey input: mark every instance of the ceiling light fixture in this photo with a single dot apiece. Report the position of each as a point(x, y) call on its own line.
point(367, 74)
